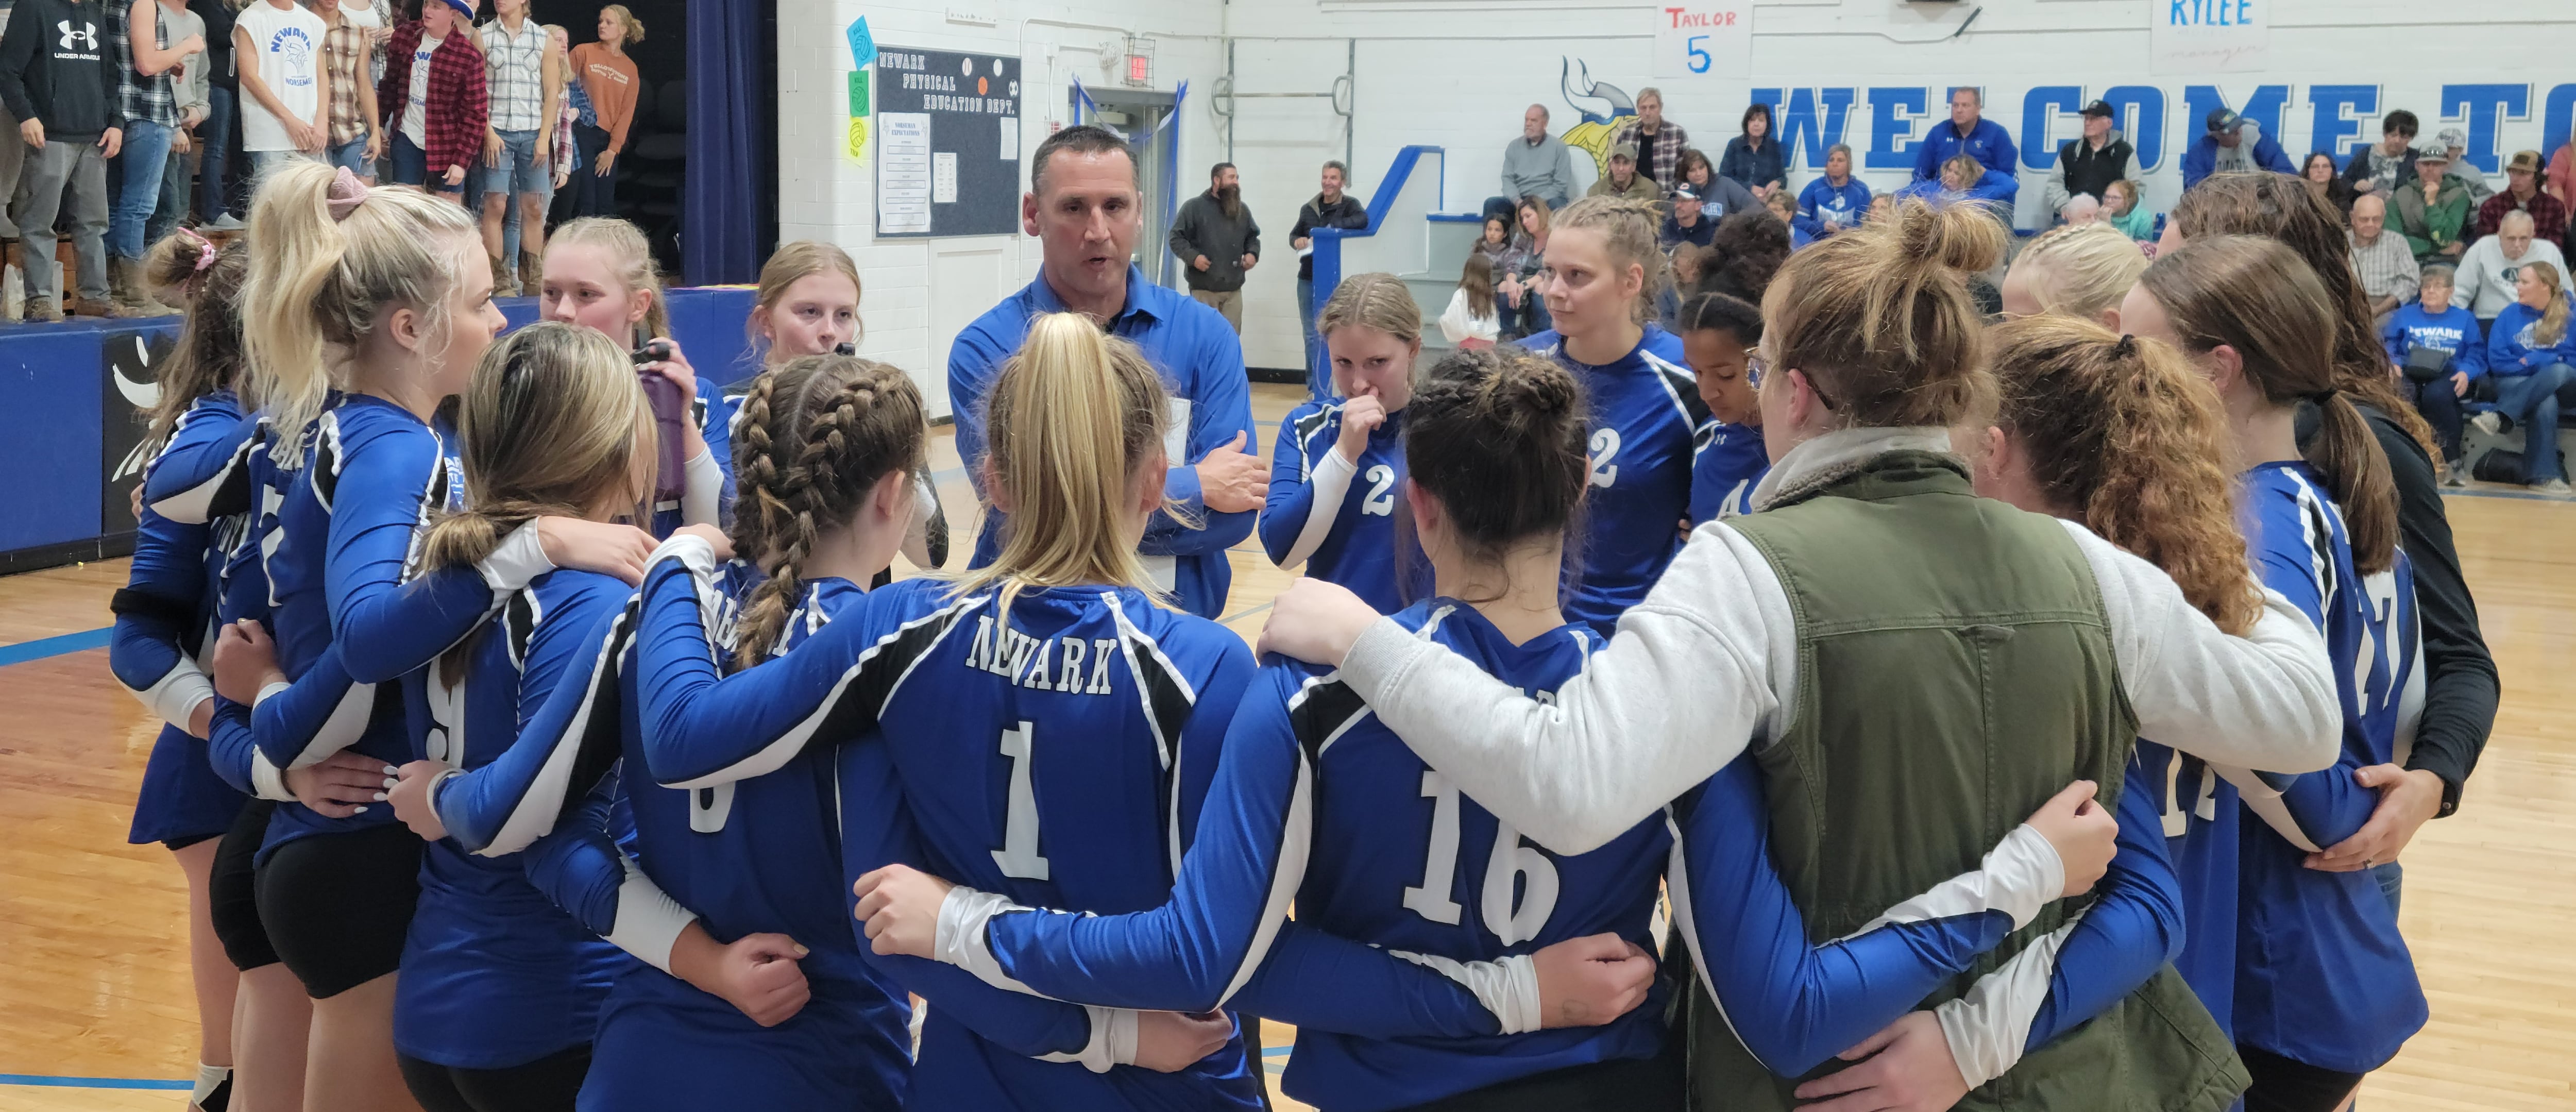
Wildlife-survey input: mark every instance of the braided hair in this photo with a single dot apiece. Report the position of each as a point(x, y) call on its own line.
point(816, 437)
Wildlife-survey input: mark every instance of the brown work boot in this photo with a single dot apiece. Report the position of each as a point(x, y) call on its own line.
point(41, 308)
point(532, 275)
point(83, 305)
point(132, 292)
point(504, 283)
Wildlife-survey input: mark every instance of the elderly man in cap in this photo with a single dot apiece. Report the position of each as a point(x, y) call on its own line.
point(1623, 180)
point(2522, 194)
point(2433, 210)
point(2232, 144)
point(2087, 166)
point(2455, 143)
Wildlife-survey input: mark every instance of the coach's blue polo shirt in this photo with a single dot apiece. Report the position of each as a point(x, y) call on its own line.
point(1201, 362)
point(1987, 142)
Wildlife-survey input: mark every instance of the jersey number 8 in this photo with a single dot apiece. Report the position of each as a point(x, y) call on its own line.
point(1505, 869)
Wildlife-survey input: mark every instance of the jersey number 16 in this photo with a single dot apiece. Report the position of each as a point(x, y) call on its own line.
point(1505, 867)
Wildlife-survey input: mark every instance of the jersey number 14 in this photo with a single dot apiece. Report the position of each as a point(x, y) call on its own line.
point(1505, 870)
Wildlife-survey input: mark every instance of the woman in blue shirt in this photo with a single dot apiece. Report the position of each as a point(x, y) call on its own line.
point(1337, 472)
point(2441, 341)
point(1835, 201)
point(1754, 159)
point(2532, 354)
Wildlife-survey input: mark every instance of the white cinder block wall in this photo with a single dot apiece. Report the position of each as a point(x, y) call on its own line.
point(1457, 73)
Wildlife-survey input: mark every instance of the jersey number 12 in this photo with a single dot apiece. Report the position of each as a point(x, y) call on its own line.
point(1505, 867)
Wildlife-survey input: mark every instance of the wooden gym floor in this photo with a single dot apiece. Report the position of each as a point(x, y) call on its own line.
point(96, 1011)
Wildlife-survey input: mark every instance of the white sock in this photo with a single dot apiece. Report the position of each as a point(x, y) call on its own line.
point(214, 1088)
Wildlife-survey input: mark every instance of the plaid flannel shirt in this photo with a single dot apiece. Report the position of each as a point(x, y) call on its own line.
point(2548, 214)
point(344, 55)
point(139, 97)
point(1670, 142)
point(2387, 267)
point(457, 112)
point(515, 74)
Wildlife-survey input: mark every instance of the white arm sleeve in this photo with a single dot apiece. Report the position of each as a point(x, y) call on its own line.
point(1689, 679)
point(649, 921)
point(1113, 1041)
point(1332, 479)
point(2266, 700)
point(175, 696)
point(520, 558)
point(1988, 1028)
point(702, 491)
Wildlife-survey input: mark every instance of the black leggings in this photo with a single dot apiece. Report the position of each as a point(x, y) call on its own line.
point(1618, 1085)
point(2282, 1085)
point(548, 1084)
point(232, 892)
point(338, 906)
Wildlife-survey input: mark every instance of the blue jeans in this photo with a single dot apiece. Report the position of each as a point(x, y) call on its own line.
point(411, 164)
point(1528, 319)
point(1319, 362)
point(2441, 409)
point(175, 179)
point(215, 136)
point(147, 148)
point(2534, 401)
point(592, 195)
point(353, 155)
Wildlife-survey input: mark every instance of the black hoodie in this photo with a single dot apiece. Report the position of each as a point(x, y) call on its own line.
point(56, 66)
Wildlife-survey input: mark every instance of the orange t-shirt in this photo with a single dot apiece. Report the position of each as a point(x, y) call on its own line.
point(611, 82)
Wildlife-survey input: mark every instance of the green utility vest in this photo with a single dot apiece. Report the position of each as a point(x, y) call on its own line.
point(1955, 670)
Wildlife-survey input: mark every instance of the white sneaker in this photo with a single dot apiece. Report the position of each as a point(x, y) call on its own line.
point(2488, 423)
point(2553, 486)
point(230, 223)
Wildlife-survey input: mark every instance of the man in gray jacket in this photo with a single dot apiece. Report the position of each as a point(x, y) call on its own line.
point(1537, 164)
point(1217, 237)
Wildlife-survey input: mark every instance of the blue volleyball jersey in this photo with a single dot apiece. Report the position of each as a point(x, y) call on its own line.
point(1058, 752)
point(1317, 802)
point(1730, 465)
point(2323, 977)
point(250, 481)
point(1356, 542)
point(164, 637)
point(494, 974)
point(1647, 426)
point(2198, 810)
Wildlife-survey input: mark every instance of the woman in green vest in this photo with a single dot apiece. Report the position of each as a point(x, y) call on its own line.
point(1911, 666)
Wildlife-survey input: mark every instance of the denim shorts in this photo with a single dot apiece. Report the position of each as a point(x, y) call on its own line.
point(411, 164)
point(353, 155)
point(519, 171)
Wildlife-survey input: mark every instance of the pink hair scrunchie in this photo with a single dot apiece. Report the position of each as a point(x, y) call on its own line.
point(347, 193)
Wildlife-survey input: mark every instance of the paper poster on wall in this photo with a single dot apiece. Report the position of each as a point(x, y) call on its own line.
point(1708, 38)
point(943, 178)
point(903, 172)
point(1010, 139)
point(863, 46)
point(2209, 36)
point(857, 146)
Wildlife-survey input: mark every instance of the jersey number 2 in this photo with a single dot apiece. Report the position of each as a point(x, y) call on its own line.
point(1018, 856)
point(1381, 495)
point(1505, 870)
point(1605, 448)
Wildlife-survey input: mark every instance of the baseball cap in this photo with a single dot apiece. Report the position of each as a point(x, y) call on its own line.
point(2432, 151)
point(1624, 150)
point(2526, 161)
point(2101, 108)
point(1686, 192)
point(463, 7)
point(2222, 121)
point(2454, 138)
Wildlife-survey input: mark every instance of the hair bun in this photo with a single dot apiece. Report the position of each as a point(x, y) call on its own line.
point(1961, 237)
point(1538, 386)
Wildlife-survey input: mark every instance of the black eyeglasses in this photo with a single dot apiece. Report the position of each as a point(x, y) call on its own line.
point(1755, 367)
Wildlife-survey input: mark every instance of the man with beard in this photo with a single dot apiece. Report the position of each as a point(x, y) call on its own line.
point(1216, 235)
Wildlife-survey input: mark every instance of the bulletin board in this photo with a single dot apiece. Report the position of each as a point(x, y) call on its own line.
point(947, 133)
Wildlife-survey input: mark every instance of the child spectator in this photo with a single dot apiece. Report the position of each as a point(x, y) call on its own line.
point(1470, 321)
point(605, 98)
point(277, 48)
point(434, 99)
point(59, 79)
point(2121, 208)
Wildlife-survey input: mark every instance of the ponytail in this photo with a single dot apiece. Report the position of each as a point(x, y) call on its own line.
point(1880, 316)
point(2552, 326)
point(208, 357)
point(1498, 437)
point(2263, 300)
point(816, 436)
point(1070, 422)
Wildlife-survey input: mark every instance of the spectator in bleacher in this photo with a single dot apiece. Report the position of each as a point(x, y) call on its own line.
point(1216, 235)
point(2386, 264)
point(2522, 194)
point(1965, 132)
point(2081, 211)
point(356, 140)
point(191, 86)
point(2490, 268)
point(604, 95)
point(2231, 144)
point(1754, 159)
point(2086, 166)
point(2384, 166)
point(434, 98)
point(2319, 173)
point(2531, 352)
point(2429, 335)
point(1523, 308)
point(1329, 208)
point(2455, 143)
point(64, 96)
point(2121, 207)
point(277, 55)
point(518, 155)
point(1623, 180)
point(223, 118)
point(1718, 195)
point(1690, 221)
point(2562, 173)
point(2433, 210)
point(1964, 178)
point(147, 96)
point(1660, 142)
point(1786, 210)
point(1537, 164)
point(1471, 320)
point(1835, 201)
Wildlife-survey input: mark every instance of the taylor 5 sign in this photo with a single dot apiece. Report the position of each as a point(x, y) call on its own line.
point(1704, 40)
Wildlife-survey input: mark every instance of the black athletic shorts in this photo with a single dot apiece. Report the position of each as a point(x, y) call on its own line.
point(232, 894)
point(548, 1084)
point(2283, 1085)
point(1618, 1085)
point(338, 905)
point(174, 845)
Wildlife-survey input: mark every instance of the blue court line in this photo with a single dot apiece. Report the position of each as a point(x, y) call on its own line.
point(43, 647)
point(49, 1082)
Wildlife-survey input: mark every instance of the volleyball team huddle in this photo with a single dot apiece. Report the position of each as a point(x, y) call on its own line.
point(1840, 702)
